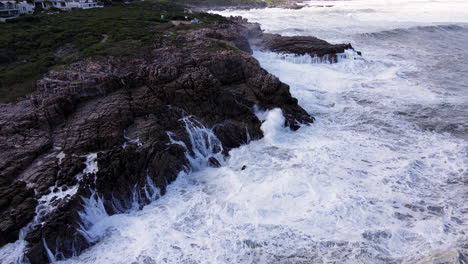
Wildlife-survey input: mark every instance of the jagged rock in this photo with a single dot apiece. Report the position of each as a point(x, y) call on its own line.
point(16, 210)
point(24, 135)
point(295, 45)
point(112, 126)
point(301, 45)
point(213, 162)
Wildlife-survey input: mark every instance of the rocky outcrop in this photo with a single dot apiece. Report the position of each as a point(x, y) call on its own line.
point(115, 129)
point(242, 5)
point(301, 45)
point(294, 45)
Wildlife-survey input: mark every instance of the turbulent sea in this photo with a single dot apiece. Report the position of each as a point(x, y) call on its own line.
point(380, 177)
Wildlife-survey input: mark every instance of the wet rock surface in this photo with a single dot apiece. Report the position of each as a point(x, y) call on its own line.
point(17, 205)
point(109, 127)
point(302, 45)
point(295, 45)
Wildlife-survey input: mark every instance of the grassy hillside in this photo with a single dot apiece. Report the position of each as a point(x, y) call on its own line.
point(31, 45)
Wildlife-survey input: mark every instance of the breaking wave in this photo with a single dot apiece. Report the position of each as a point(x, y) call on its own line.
point(436, 29)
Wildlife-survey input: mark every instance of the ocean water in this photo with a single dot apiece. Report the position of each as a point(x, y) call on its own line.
point(380, 177)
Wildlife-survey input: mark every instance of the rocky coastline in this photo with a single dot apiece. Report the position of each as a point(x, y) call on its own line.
point(114, 130)
point(244, 5)
point(286, 4)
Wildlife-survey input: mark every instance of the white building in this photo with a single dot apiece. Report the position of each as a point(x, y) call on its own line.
point(25, 7)
point(8, 9)
point(11, 9)
point(66, 4)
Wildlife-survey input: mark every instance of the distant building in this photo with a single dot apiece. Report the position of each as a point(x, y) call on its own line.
point(11, 9)
point(66, 4)
point(25, 7)
point(8, 9)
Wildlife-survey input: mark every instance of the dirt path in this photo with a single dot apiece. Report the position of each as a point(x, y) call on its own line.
point(105, 37)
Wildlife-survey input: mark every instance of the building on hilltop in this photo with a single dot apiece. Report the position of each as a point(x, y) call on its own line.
point(8, 9)
point(66, 4)
point(25, 8)
point(11, 9)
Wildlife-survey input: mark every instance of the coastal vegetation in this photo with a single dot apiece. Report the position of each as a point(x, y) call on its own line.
point(31, 45)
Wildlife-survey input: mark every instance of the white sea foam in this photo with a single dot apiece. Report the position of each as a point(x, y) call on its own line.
point(274, 123)
point(91, 163)
point(204, 144)
point(91, 217)
point(13, 252)
point(346, 17)
point(331, 197)
point(307, 59)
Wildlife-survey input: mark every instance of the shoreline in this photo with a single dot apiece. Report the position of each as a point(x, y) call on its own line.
point(113, 130)
point(284, 4)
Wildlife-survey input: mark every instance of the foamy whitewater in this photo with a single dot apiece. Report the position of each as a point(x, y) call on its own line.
point(380, 177)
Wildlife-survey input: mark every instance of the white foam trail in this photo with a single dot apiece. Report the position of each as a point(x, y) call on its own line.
point(93, 213)
point(49, 202)
point(204, 143)
point(307, 59)
point(13, 252)
point(91, 164)
point(152, 193)
point(50, 255)
point(142, 195)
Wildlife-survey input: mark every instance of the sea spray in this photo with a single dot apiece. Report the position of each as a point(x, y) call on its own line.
point(274, 123)
point(307, 59)
point(204, 143)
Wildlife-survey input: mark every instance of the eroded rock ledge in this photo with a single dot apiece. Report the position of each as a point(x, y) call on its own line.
point(107, 126)
point(295, 45)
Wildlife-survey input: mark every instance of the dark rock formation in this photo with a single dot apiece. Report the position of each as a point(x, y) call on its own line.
point(17, 205)
point(296, 45)
point(109, 127)
point(302, 45)
point(242, 5)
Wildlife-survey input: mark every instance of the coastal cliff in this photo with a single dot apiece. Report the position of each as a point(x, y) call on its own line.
point(116, 130)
